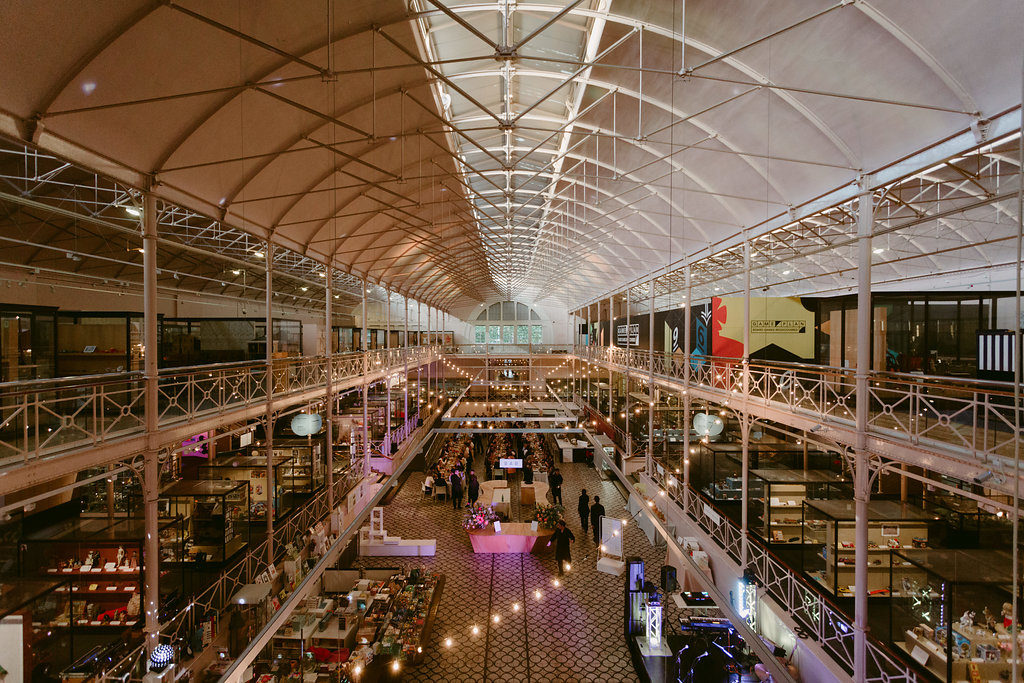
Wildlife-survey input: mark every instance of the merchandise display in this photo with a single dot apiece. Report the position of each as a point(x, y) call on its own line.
point(777, 498)
point(215, 514)
point(829, 535)
point(952, 611)
point(360, 632)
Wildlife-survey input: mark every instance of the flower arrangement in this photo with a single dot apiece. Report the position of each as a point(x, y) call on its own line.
point(548, 515)
point(479, 517)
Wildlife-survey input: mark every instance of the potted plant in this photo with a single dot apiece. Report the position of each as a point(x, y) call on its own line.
point(478, 517)
point(548, 515)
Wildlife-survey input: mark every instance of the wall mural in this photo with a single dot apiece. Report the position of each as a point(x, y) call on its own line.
point(781, 328)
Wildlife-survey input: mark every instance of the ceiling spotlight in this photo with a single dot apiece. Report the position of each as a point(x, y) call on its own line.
point(236, 272)
point(258, 254)
point(877, 250)
point(132, 211)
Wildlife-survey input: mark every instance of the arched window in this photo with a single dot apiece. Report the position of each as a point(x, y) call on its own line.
point(508, 322)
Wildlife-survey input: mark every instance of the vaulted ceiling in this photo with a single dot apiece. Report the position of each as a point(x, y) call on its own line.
point(463, 152)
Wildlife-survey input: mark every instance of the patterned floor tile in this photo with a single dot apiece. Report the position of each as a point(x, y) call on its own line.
point(573, 633)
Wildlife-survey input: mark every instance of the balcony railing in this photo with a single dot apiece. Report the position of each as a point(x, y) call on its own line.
point(47, 417)
point(970, 420)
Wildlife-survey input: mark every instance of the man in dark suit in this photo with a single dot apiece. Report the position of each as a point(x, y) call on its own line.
point(562, 538)
point(596, 513)
point(555, 482)
point(583, 507)
point(473, 487)
point(456, 490)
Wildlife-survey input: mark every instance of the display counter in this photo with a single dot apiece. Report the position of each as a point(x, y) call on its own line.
point(952, 611)
point(215, 514)
point(576, 450)
point(829, 533)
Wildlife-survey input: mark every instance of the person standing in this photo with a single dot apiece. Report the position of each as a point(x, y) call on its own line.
point(456, 489)
point(555, 481)
point(472, 487)
point(583, 507)
point(596, 513)
point(562, 538)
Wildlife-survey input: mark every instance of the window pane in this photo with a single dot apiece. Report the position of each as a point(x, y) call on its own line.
point(522, 312)
point(494, 334)
point(522, 334)
point(508, 310)
point(494, 312)
point(538, 334)
point(533, 315)
point(507, 334)
point(479, 334)
point(483, 315)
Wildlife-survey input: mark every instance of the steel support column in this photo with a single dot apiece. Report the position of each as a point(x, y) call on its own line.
point(405, 360)
point(329, 394)
point(744, 423)
point(650, 381)
point(611, 344)
point(150, 467)
point(861, 472)
point(387, 381)
point(365, 344)
point(269, 417)
point(629, 436)
point(686, 388)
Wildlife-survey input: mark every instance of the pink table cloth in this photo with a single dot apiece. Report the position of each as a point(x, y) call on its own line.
point(515, 537)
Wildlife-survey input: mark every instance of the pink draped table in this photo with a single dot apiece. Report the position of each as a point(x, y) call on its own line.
point(515, 537)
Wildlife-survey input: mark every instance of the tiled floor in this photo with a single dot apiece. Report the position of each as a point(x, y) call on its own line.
point(572, 633)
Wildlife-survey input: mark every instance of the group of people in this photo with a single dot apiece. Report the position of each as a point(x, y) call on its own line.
point(454, 467)
point(563, 538)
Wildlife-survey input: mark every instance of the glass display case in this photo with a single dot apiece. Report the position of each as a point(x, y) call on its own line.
point(102, 560)
point(968, 525)
point(215, 518)
point(95, 343)
point(305, 474)
point(828, 535)
point(952, 611)
point(720, 465)
point(118, 496)
point(35, 629)
point(252, 469)
point(777, 498)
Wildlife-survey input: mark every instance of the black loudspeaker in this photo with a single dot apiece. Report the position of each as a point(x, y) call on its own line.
point(583, 328)
point(669, 584)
